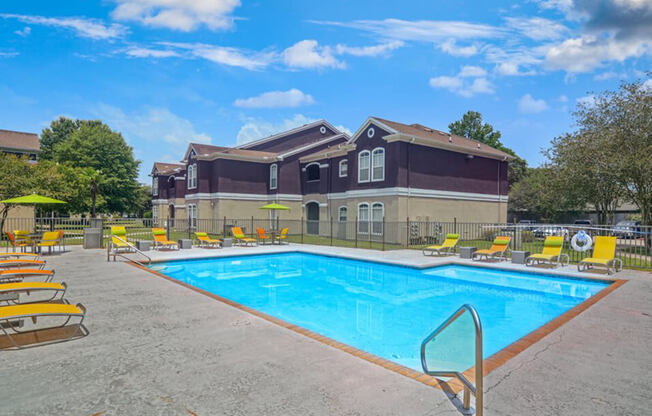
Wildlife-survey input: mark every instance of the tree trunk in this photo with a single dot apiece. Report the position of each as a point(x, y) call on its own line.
point(93, 197)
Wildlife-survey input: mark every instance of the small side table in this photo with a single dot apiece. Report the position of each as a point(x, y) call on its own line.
point(227, 242)
point(143, 245)
point(519, 257)
point(467, 252)
point(185, 243)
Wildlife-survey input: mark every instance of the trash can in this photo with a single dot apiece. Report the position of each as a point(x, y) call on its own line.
point(92, 238)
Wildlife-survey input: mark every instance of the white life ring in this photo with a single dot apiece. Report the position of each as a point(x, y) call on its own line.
point(581, 241)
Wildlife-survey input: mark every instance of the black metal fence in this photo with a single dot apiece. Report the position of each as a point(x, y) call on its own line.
point(633, 242)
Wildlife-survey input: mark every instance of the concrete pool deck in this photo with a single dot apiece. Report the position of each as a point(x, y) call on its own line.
point(158, 348)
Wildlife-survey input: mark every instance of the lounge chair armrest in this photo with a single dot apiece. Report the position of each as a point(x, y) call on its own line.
point(82, 308)
point(561, 257)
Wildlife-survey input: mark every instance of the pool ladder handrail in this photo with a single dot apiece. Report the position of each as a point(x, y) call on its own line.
point(109, 252)
point(468, 385)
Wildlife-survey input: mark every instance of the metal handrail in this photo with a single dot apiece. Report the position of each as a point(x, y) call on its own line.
point(131, 246)
point(468, 386)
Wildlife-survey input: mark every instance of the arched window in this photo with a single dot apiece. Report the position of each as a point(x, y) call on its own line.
point(363, 166)
point(378, 164)
point(344, 168)
point(273, 176)
point(377, 214)
point(192, 176)
point(155, 186)
point(312, 172)
point(363, 218)
point(341, 215)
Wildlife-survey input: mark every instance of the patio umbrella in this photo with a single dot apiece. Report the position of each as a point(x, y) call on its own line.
point(33, 199)
point(273, 207)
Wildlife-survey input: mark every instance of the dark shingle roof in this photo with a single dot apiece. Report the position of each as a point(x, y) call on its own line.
point(16, 140)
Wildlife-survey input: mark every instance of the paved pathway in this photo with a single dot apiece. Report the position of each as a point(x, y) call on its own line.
point(157, 348)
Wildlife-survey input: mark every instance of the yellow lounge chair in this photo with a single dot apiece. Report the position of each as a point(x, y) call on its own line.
point(17, 275)
point(551, 254)
point(262, 237)
point(10, 314)
point(604, 254)
point(240, 237)
point(29, 287)
point(161, 241)
point(49, 240)
point(206, 241)
point(17, 242)
point(9, 256)
point(282, 236)
point(498, 249)
point(119, 242)
point(18, 263)
point(447, 246)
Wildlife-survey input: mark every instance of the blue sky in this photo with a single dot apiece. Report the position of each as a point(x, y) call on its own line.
point(167, 72)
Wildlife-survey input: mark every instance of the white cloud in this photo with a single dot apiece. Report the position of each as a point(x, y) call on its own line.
point(276, 99)
point(587, 52)
point(512, 69)
point(83, 27)
point(472, 71)
point(8, 54)
point(137, 52)
point(309, 54)
point(562, 98)
point(375, 50)
point(153, 132)
point(609, 75)
point(255, 129)
point(648, 84)
point(24, 32)
point(587, 100)
point(183, 15)
point(460, 84)
point(537, 28)
point(530, 105)
point(451, 83)
point(422, 30)
point(452, 48)
point(224, 55)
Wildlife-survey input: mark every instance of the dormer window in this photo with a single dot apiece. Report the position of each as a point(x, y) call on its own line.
point(192, 176)
point(343, 168)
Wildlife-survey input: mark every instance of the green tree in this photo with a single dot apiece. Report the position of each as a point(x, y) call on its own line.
point(143, 207)
point(94, 145)
point(472, 127)
point(17, 180)
point(538, 194)
point(58, 131)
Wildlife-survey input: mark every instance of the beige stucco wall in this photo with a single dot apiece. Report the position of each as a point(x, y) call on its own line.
point(19, 217)
point(448, 210)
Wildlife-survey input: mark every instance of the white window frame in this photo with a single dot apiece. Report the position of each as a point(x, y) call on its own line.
point(368, 168)
point(318, 167)
point(363, 224)
point(273, 176)
point(376, 222)
point(155, 186)
point(343, 163)
point(192, 215)
point(346, 213)
point(381, 151)
point(155, 212)
point(192, 176)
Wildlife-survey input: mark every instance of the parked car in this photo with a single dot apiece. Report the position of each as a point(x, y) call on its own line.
point(546, 230)
point(526, 225)
point(628, 229)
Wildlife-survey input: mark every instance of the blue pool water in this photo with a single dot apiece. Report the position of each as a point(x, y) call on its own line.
point(384, 309)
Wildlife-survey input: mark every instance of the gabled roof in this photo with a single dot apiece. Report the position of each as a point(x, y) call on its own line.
point(289, 132)
point(18, 141)
point(426, 136)
point(331, 151)
point(167, 168)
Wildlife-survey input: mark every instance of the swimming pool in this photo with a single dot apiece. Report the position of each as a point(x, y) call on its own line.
point(387, 310)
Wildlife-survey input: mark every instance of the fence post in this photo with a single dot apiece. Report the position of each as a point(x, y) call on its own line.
point(302, 229)
point(455, 225)
point(383, 233)
point(331, 231)
point(355, 231)
point(407, 232)
point(252, 227)
point(224, 227)
point(167, 228)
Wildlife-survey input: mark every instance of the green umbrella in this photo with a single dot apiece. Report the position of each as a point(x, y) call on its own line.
point(275, 206)
point(32, 199)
